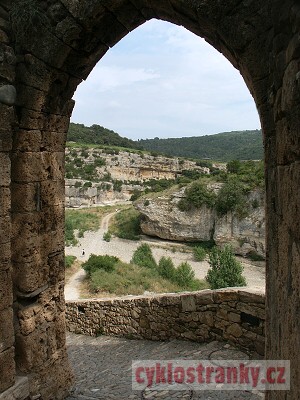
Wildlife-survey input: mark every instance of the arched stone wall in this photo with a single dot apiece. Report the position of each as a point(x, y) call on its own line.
point(45, 61)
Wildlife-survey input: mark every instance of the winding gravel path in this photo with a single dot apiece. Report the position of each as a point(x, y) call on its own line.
point(93, 243)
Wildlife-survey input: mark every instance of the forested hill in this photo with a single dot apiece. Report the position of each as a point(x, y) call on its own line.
point(226, 146)
point(97, 134)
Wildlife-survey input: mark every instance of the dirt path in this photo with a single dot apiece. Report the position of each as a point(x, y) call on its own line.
point(93, 243)
point(72, 288)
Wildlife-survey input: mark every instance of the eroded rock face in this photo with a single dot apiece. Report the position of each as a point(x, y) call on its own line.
point(162, 218)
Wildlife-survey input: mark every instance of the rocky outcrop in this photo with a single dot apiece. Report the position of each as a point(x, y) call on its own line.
point(77, 194)
point(132, 166)
point(161, 217)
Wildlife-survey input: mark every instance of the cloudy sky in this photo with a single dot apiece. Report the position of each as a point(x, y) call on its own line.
point(161, 80)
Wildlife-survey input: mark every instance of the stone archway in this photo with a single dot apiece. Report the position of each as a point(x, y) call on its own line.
point(59, 47)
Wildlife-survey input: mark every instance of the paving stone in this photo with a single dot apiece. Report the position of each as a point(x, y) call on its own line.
point(102, 367)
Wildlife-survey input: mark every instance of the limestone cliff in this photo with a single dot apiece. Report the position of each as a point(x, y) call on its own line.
point(161, 217)
point(91, 174)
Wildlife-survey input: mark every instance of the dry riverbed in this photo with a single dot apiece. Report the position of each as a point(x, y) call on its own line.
point(93, 243)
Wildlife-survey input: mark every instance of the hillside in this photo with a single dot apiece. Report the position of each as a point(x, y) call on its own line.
point(226, 146)
point(97, 134)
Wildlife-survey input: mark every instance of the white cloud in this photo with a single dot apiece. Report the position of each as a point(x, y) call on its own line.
point(161, 80)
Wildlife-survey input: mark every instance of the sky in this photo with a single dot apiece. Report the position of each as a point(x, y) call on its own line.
point(163, 81)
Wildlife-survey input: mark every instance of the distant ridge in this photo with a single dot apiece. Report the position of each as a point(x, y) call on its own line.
point(98, 135)
point(225, 146)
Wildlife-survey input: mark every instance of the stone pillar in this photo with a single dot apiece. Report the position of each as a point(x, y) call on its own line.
point(7, 100)
point(283, 201)
point(38, 247)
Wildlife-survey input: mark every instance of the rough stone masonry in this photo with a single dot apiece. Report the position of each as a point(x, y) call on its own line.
point(46, 49)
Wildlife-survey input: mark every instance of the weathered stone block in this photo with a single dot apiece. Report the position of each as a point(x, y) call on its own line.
point(25, 197)
point(8, 95)
point(54, 141)
point(5, 229)
point(20, 390)
point(4, 201)
point(30, 276)
point(5, 140)
point(188, 303)
point(7, 329)
point(26, 167)
point(52, 193)
point(5, 253)
point(235, 330)
point(7, 369)
point(53, 166)
point(33, 120)
point(5, 169)
point(6, 296)
point(31, 350)
point(27, 141)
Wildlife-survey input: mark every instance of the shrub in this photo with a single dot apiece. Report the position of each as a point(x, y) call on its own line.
point(107, 236)
point(87, 184)
point(166, 268)
point(195, 196)
point(69, 261)
point(107, 263)
point(230, 198)
point(99, 162)
point(184, 275)
point(225, 270)
point(135, 195)
point(143, 257)
point(199, 253)
point(146, 203)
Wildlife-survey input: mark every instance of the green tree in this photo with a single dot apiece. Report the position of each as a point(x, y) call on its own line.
point(230, 197)
point(185, 275)
point(225, 270)
point(143, 256)
point(166, 268)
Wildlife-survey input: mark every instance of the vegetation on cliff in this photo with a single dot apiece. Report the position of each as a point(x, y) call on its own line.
point(240, 178)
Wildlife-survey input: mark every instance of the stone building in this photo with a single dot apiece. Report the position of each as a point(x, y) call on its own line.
point(46, 49)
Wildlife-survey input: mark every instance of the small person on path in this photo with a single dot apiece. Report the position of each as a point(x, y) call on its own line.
point(83, 252)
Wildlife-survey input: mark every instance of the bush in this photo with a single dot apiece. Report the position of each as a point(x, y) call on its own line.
point(166, 268)
point(69, 261)
point(107, 263)
point(146, 203)
point(135, 195)
point(225, 270)
point(195, 196)
point(107, 236)
point(199, 253)
point(230, 198)
point(184, 275)
point(143, 257)
point(87, 184)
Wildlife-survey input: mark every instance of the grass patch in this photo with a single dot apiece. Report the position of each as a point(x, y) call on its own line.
point(85, 219)
point(69, 261)
point(126, 224)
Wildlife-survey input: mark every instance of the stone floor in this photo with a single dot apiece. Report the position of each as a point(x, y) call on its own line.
point(102, 367)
